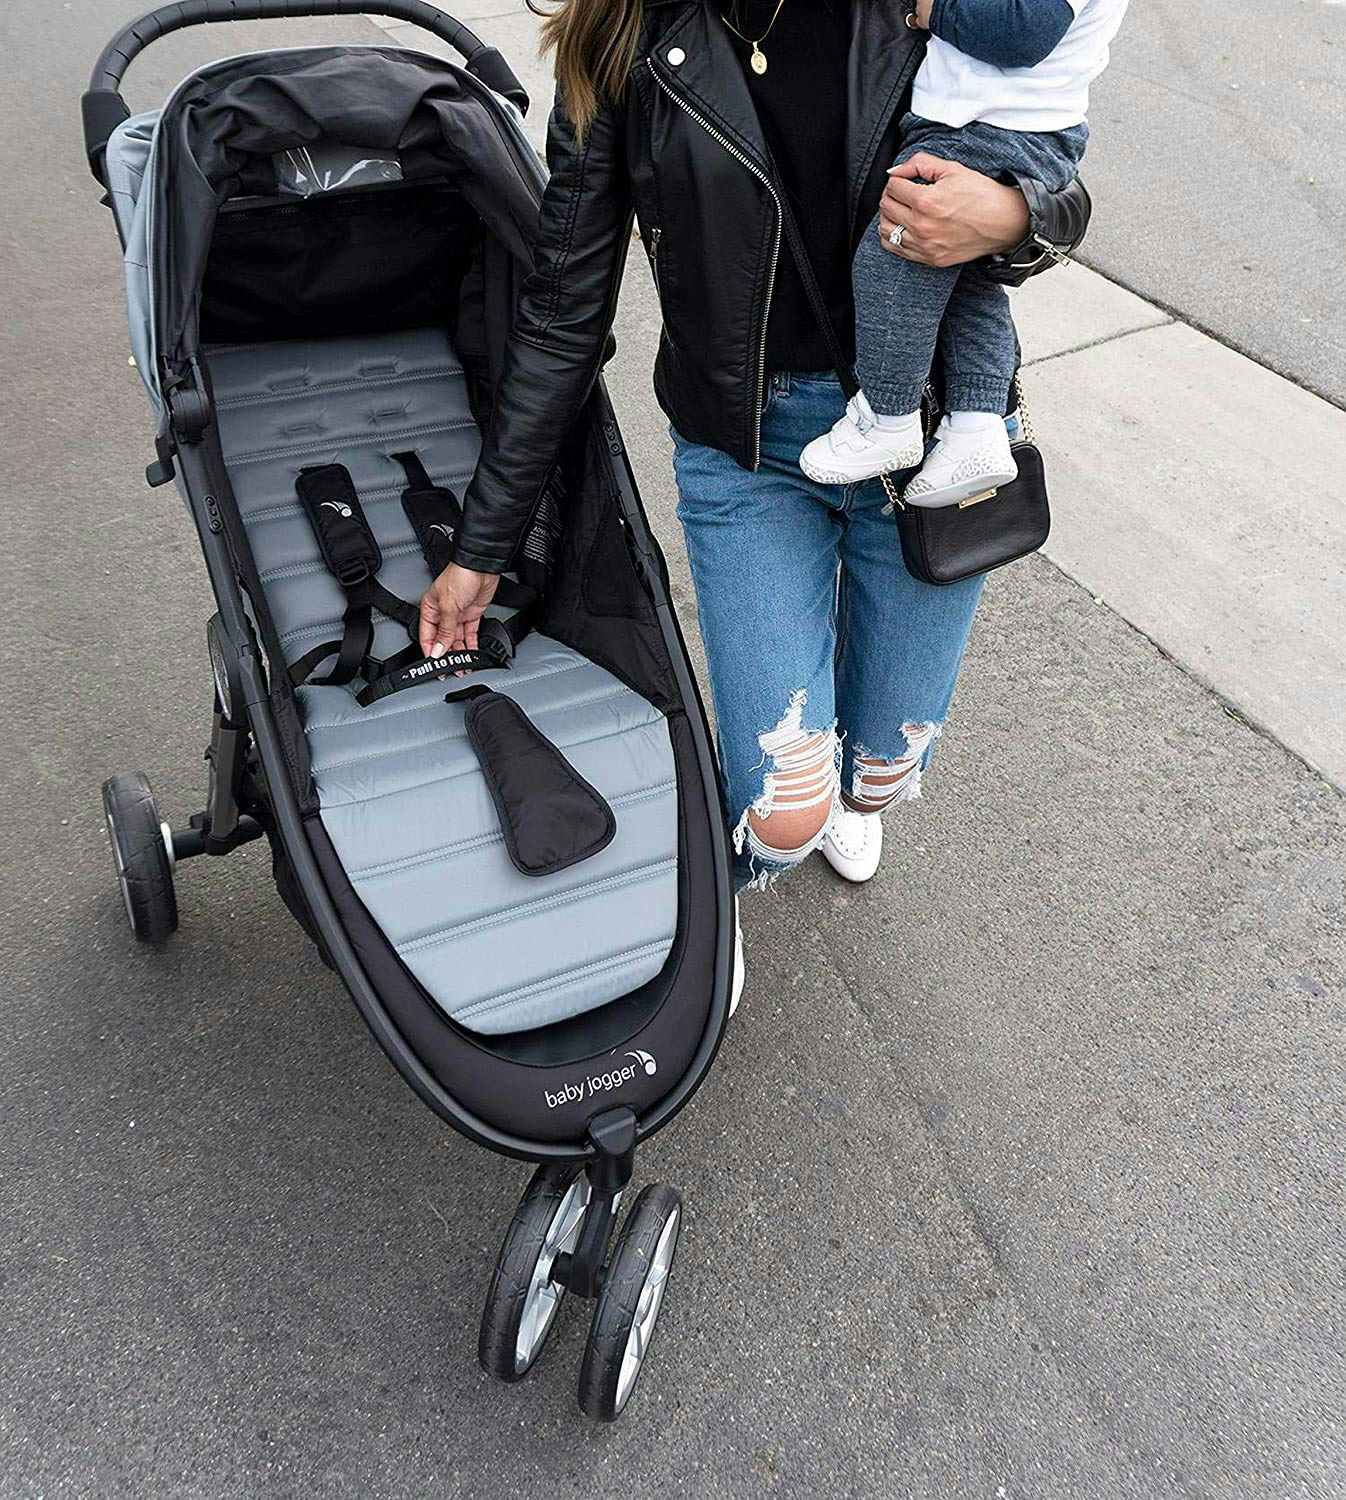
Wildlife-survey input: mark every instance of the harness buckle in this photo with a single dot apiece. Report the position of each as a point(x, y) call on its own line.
point(495, 640)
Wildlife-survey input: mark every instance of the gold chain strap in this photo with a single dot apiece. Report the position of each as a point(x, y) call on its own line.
point(1026, 428)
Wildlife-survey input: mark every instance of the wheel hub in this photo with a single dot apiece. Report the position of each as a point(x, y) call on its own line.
point(544, 1295)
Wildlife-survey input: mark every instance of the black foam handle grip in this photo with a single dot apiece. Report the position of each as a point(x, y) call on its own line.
point(482, 61)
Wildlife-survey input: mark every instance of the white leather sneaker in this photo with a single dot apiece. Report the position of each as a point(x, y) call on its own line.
point(853, 844)
point(740, 973)
point(962, 464)
point(857, 448)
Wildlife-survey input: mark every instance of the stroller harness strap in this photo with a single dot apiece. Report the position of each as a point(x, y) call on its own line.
point(352, 555)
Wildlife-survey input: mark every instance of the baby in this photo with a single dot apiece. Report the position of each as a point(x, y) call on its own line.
point(1004, 89)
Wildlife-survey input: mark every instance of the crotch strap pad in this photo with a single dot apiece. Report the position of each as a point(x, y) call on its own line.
point(551, 817)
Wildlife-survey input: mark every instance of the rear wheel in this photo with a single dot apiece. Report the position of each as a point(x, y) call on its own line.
point(629, 1304)
point(142, 852)
point(523, 1300)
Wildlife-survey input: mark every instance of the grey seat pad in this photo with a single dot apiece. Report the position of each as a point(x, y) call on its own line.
point(401, 793)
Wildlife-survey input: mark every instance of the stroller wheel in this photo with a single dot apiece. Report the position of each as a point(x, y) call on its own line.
point(628, 1306)
point(523, 1300)
point(142, 850)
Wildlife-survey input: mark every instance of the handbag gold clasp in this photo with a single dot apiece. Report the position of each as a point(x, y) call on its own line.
point(977, 499)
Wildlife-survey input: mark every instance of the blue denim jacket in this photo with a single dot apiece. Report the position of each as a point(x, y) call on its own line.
point(1004, 33)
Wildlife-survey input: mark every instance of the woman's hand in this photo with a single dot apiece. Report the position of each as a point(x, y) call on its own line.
point(953, 215)
point(452, 607)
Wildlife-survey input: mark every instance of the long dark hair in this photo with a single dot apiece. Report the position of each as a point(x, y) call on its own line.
point(595, 46)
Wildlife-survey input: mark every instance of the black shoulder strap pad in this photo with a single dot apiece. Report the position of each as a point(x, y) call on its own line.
point(433, 510)
point(349, 547)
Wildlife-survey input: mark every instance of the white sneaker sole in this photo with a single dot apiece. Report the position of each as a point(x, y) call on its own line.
point(907, 459)
point(740, 970)
point(984, 485)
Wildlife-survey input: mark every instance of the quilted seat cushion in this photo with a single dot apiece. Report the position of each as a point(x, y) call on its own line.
point(401, 793)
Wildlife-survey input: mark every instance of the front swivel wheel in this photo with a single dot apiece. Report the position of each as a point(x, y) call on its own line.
point(142, 849)
point(628, 1306)
point(523, 1299)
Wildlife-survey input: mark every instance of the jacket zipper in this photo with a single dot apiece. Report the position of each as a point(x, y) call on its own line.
point(762, 177)
point(1056, 253)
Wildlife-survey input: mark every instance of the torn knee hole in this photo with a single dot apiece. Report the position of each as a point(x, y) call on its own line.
point(800, 784)
point(877, 782)
point(783, 833)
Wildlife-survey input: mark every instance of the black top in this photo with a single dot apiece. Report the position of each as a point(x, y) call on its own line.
point(801, 102)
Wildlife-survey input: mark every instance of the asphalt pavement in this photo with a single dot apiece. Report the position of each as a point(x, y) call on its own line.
point(1020, 1173)
point(1218, 168)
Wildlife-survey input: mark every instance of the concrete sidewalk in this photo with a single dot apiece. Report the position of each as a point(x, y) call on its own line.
point(1200, 497)
point(1195, 493)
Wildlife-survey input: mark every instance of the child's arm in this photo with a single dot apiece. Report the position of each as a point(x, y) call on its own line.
point(1004, 33)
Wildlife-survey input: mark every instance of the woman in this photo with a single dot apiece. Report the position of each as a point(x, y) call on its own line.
point(828, 699)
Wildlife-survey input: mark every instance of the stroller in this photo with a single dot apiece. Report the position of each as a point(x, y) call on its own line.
point(514, 858)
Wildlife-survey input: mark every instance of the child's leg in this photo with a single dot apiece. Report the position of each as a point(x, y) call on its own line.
point(978, 352)
point(978, 347)
point(899, 306)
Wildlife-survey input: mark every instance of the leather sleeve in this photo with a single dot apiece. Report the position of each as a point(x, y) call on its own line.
point(1059, 220)
point(565, 312)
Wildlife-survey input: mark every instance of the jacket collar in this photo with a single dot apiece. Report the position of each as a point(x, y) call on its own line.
point(691, 50)
point(884, 53)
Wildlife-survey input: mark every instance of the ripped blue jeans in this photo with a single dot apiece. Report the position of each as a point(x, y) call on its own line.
point(832, 668)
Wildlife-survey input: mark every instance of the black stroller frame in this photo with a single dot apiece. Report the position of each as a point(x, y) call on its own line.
point(561, 1238)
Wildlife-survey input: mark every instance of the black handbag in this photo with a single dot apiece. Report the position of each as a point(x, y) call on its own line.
point(953, 542)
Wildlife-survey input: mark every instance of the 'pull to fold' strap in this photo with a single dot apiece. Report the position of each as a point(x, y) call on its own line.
point(495, 652)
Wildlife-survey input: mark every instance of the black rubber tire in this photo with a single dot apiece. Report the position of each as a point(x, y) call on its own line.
point(144, 871)
point(505, 1298)
point(615, 1314)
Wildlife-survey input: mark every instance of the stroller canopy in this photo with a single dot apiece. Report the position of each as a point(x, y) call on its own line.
point(222, 131)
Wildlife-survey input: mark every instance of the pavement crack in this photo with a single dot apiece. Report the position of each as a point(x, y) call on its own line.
point(1183, 317)
point(1107, 338)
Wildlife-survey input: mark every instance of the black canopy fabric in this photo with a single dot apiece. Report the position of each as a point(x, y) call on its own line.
point(228, 118)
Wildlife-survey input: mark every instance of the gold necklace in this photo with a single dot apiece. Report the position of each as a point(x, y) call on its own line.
point(758, 59)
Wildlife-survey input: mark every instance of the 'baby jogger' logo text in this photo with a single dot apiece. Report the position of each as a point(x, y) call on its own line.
point(603, 1083)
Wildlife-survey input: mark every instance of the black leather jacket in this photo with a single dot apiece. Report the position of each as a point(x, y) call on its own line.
point(683, 150)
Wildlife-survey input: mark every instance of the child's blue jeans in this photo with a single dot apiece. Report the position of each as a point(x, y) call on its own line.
point(903, 310)
point(825, 654)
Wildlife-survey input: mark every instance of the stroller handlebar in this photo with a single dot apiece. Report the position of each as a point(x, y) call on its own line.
point(104, 108)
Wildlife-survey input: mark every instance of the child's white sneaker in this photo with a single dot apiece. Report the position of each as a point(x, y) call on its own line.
point(961, 465)
point(858, 448)
point(853, 844)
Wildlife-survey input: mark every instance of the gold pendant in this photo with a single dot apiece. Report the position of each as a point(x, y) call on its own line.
point(758, 60)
